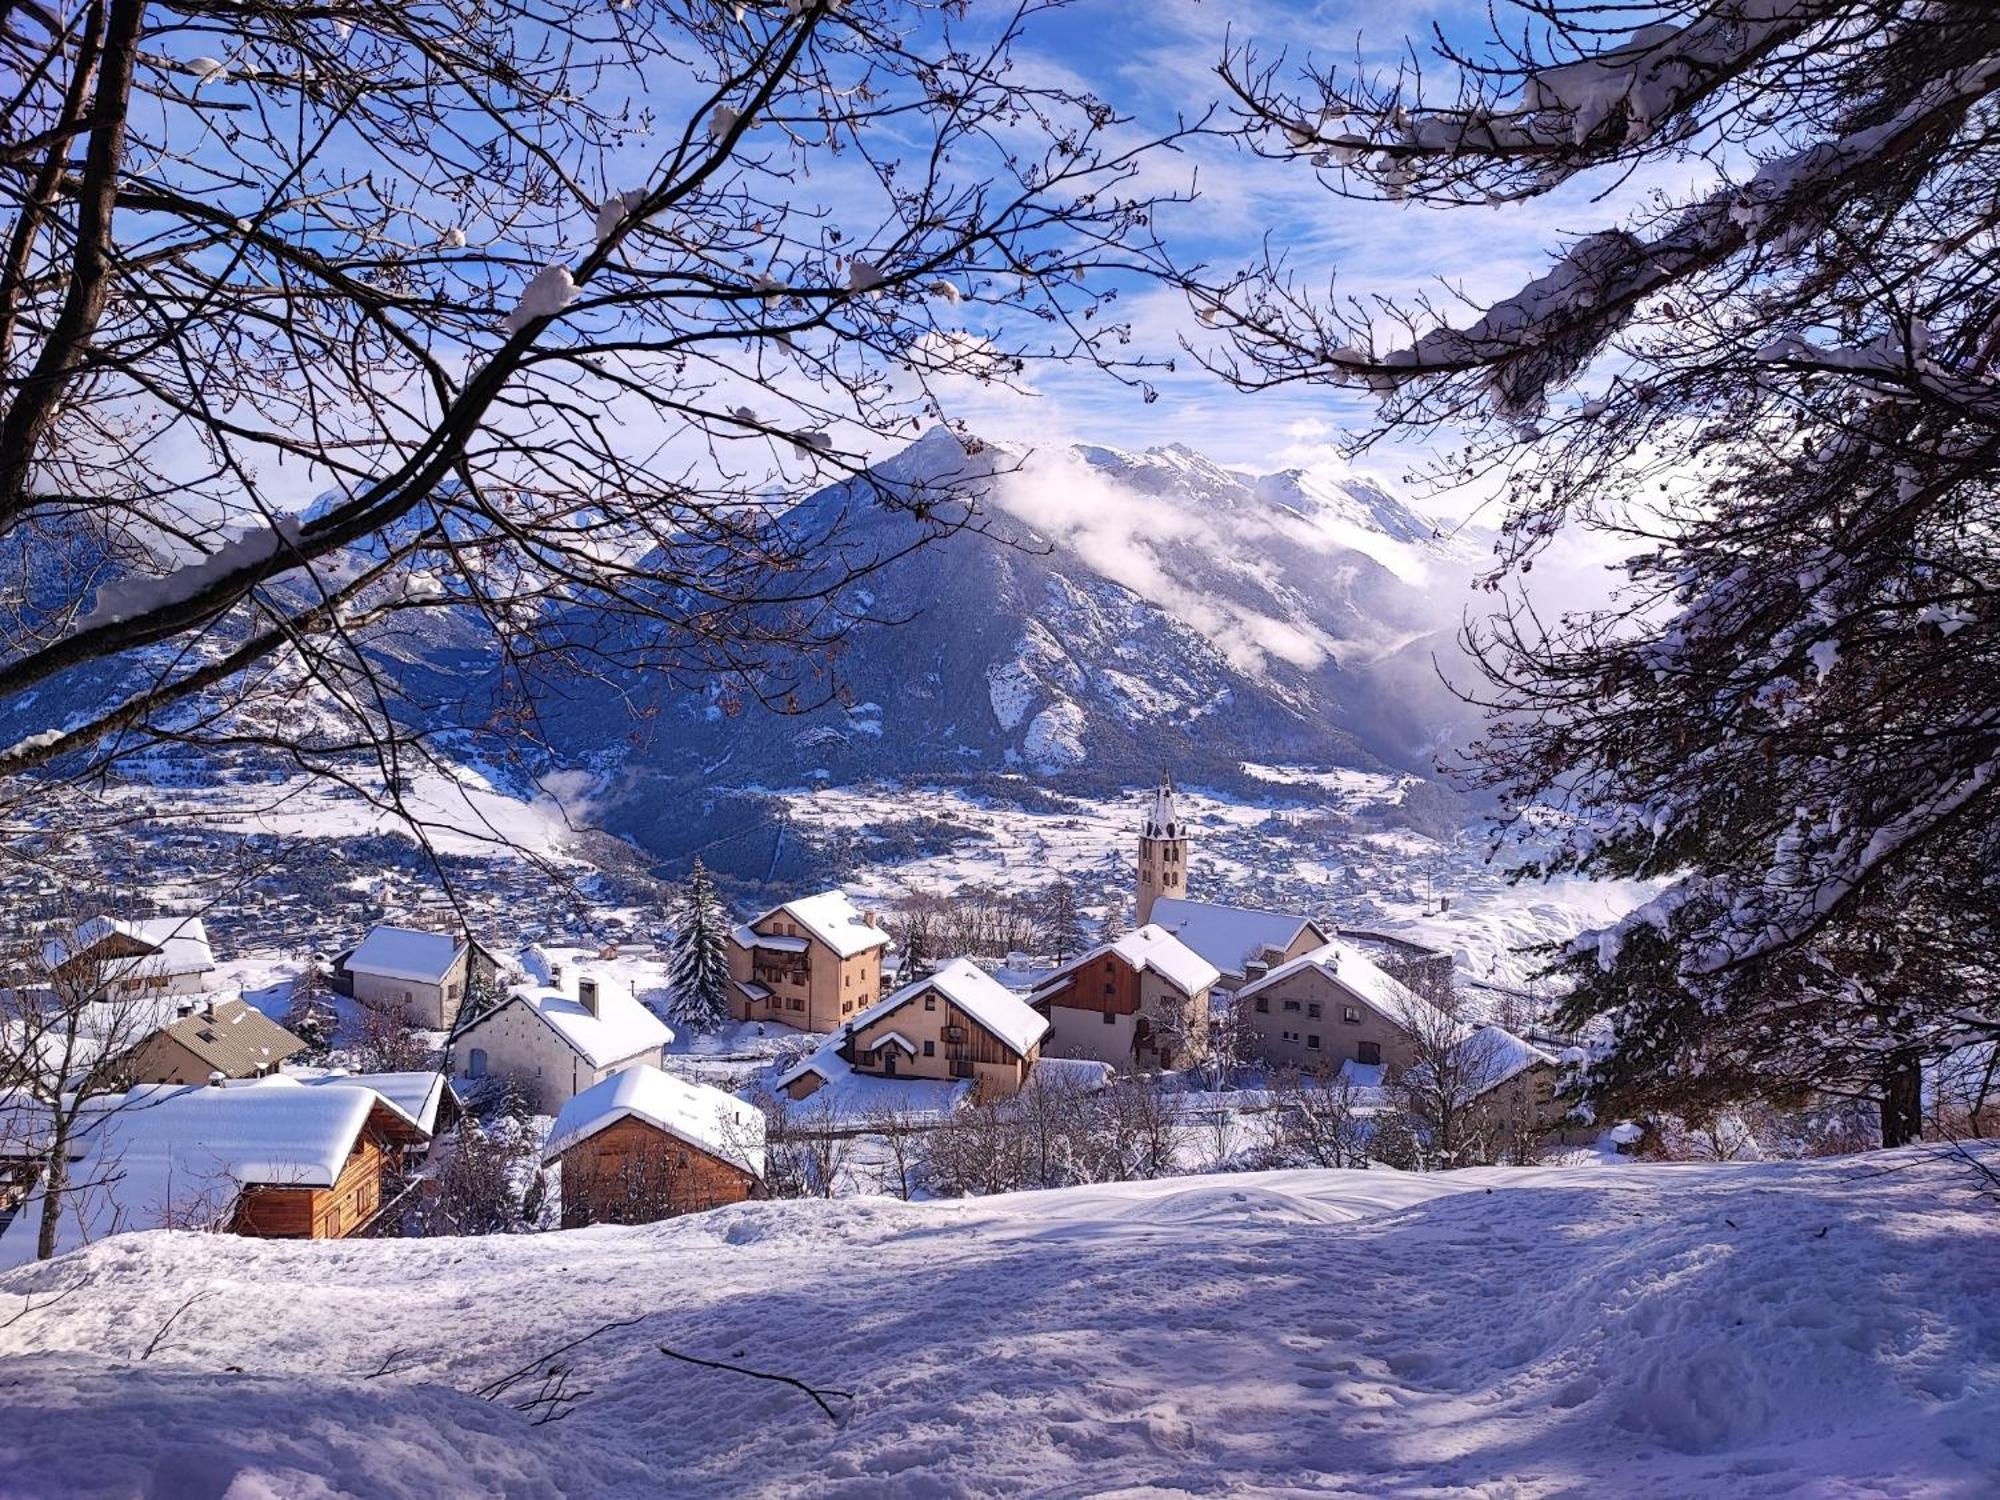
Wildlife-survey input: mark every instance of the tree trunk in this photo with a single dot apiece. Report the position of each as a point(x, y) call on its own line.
point(55, 1179)
point(1902, 1099)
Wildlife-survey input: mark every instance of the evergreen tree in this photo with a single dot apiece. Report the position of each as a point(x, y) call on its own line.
point(1777, 392)
point(699, 969)
point(311, 1016)
point(1062, 920)
point(917, 960)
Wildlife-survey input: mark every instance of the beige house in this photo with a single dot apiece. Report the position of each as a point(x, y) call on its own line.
point(556, 1039)
point(1328, 1007)
point(814, 963)
point(226, 1037)
point(425, 974)
point(960, 1023)
point(1138, 1003)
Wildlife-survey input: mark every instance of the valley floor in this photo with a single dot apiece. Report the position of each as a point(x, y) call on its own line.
point(1823, 1329)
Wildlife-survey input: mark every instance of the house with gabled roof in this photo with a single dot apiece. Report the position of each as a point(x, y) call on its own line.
point(1243, 942)
point(425, 975)
point(1329, 1006)
point(644, 1144)
point(814, 963)
point(1139, 1002)
point(226, 1037)
point(559, 1035)
point(269, 1157)
point(959, 1023)
point(157, 956)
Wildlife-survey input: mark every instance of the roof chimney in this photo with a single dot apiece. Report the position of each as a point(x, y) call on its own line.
point(586, 994)
point(217, 1078)
point(208, 1008)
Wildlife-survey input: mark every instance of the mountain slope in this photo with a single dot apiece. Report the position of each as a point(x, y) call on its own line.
point(1107, 613)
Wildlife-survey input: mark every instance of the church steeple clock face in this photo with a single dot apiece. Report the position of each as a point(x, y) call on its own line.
point(1163, 851)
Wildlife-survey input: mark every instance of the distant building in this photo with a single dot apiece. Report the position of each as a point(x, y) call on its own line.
point(426, 974)
point(1243, 942)
point(812, 963)
point(158, 956)
point(1163, 852)
point(1140, 1002)
point(959, 1024)
point(557, 1038)
point(645, 1145)
point(226, 1037)
point(1331, 1006)
point(269, 1157)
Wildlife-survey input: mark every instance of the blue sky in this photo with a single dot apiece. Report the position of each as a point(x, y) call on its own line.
point(1152, 58)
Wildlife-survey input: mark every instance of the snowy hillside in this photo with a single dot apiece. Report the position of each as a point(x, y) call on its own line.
point(1819, 1329)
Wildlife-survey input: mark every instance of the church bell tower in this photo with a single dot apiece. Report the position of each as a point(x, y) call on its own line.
point(1163, 851)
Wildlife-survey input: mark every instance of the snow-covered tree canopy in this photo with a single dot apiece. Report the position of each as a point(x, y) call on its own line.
point(1780, 390)
point(554, 304)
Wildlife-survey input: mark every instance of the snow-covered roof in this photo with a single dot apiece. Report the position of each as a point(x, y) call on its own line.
point(1351, 969)
point(416, 1096)
point(834, 920)
point(166, 1154)
point(621, 1028)
point(175, 945)
point(1227, 936)
point(1149, 947)
point(1501, 1055)
point(405, 953)
point(989, 1003)
point(1162, 820)
point(706, 1118)
point(897, 1039)
point(853, 1096)
point(748, 937)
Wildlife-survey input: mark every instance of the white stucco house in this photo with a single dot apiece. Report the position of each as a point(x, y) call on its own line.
point(555, 1038)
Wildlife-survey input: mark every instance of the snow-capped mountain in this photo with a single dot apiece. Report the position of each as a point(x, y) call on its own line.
point(1109, 612)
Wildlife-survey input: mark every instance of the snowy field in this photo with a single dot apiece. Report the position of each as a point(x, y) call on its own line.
point(1812, 1330)
point(463, 813)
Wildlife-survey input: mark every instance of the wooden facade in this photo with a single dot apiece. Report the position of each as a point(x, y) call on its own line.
point(632, 1172)
point(1105, 984)
point(275, 1212)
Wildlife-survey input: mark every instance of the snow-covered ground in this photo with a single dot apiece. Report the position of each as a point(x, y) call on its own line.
point(1824, 1329)
point(466, 813)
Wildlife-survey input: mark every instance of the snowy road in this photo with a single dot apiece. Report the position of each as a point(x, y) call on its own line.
point(1819, 1330)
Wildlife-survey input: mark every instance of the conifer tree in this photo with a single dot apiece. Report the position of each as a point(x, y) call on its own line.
point(1776, 391)
point(1062, 921)
point(699, 970)
point(311, 1016)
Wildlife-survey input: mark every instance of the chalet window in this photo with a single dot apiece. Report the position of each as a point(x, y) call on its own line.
point(930, 1002)
point(793, 1002)
point(1291, 1006)
point(961, 1067)
point(847, 1008)
point(1264, 1005)
point(1312, 1041)
point(1369, 1054)
point(1312, 1010)
point(930, 1049)
point(1290, 1036)
point(1351, 1014)
point(475, 1066)
point(954, 1033)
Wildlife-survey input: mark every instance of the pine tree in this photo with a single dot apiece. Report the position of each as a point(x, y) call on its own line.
point(1777, 392)
point(1062, 920)
point(699, 969)
point(310, 1016)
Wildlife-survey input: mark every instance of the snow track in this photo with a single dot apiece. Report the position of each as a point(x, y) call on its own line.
point(1811, 1330)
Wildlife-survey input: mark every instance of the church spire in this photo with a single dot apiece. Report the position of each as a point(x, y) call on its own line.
point(1163, 851)
point(1162, 822)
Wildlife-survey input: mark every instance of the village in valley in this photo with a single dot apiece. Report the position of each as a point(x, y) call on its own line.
point(433, 1078)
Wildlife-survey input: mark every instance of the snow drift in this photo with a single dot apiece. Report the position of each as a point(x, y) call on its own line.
point(1817, 1329)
